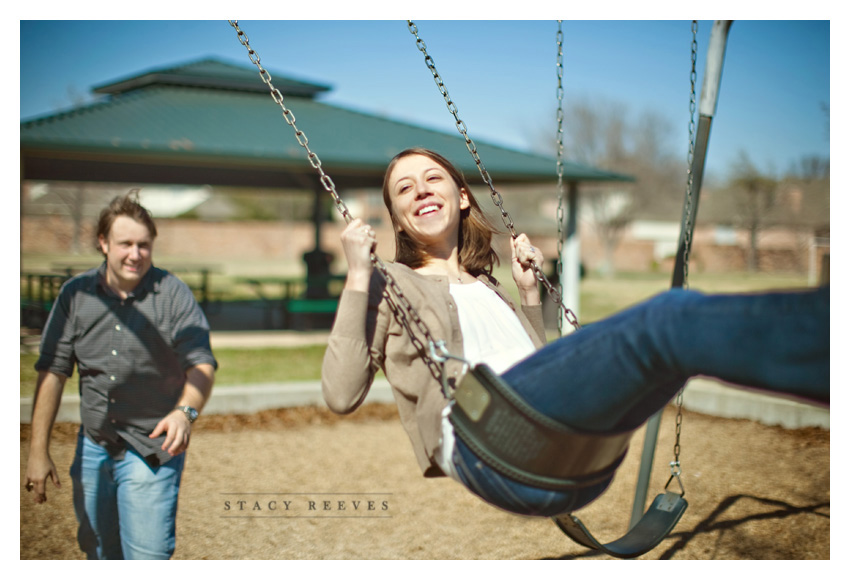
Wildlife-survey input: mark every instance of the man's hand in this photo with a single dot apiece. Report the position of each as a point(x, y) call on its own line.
point(39, 468)
point(48, 395)
point(177, 429)
point(176, 425)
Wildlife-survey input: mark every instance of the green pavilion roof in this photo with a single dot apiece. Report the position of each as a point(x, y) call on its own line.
point(213, 122)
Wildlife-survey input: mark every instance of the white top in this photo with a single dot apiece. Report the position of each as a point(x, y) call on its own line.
point(492, 334)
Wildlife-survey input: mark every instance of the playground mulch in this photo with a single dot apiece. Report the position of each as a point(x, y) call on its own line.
point(354, 491)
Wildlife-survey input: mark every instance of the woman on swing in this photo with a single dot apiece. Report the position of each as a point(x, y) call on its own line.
point(608, 377)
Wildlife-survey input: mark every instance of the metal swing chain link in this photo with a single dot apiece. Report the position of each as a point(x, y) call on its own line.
point(461, 127)
point(494, 195)
point(675, 465)
point(277, 97)
point(328, 184)
point(559, 40)
point(691, 149)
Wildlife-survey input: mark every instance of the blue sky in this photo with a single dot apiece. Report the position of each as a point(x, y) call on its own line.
point(500, 73)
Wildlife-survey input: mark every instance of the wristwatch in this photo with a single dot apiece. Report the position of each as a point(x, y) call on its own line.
point(191, 412)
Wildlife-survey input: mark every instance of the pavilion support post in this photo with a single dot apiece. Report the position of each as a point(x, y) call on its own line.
point(571, 259)
point(318, 261)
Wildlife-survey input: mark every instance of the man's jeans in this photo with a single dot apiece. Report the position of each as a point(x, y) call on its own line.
point(616, 373)
point(125, 508)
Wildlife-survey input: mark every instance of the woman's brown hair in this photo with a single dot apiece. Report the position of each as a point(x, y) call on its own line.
point(475, 252)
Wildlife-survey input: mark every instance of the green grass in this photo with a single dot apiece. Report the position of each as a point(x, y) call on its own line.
point(600, 297)
point(237, 366)
point(29, 375)
point(268, 365)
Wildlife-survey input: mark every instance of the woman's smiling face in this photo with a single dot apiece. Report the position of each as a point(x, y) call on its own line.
point(426, 201)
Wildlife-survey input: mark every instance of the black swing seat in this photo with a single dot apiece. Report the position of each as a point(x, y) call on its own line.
point(658, 521)
point(523, 444)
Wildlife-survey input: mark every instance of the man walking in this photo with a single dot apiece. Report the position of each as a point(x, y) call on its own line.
point(141, 345)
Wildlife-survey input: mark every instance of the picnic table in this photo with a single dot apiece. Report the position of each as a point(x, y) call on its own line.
point(305, 302)
point(39, 289)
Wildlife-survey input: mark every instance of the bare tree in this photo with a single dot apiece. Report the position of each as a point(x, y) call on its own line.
point(74, 98)
point(602, 134)
point(811, 167)
point(78, 202)
point(612, 213)
point(754, 199)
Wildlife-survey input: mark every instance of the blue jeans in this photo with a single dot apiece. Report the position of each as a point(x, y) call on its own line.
point(615, 374)
point(125, 508)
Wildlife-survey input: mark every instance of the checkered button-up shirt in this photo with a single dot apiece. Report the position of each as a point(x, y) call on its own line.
point(132, 354)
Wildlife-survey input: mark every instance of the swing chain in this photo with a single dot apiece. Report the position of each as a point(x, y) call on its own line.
point(277, 97)
point(494, 195)
point(328, 184)
point(461, 127)
point(691, 148)
point(675, 465)
point(559, 40)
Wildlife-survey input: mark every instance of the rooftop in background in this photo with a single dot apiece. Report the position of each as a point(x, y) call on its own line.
point(211, 122)
point(211, 73)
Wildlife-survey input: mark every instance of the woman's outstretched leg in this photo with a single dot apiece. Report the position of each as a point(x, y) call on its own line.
point(618, 372)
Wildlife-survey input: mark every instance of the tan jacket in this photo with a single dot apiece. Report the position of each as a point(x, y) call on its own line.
point(367, 337)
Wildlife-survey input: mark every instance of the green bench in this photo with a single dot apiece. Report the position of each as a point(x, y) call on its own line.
point(297, 311)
